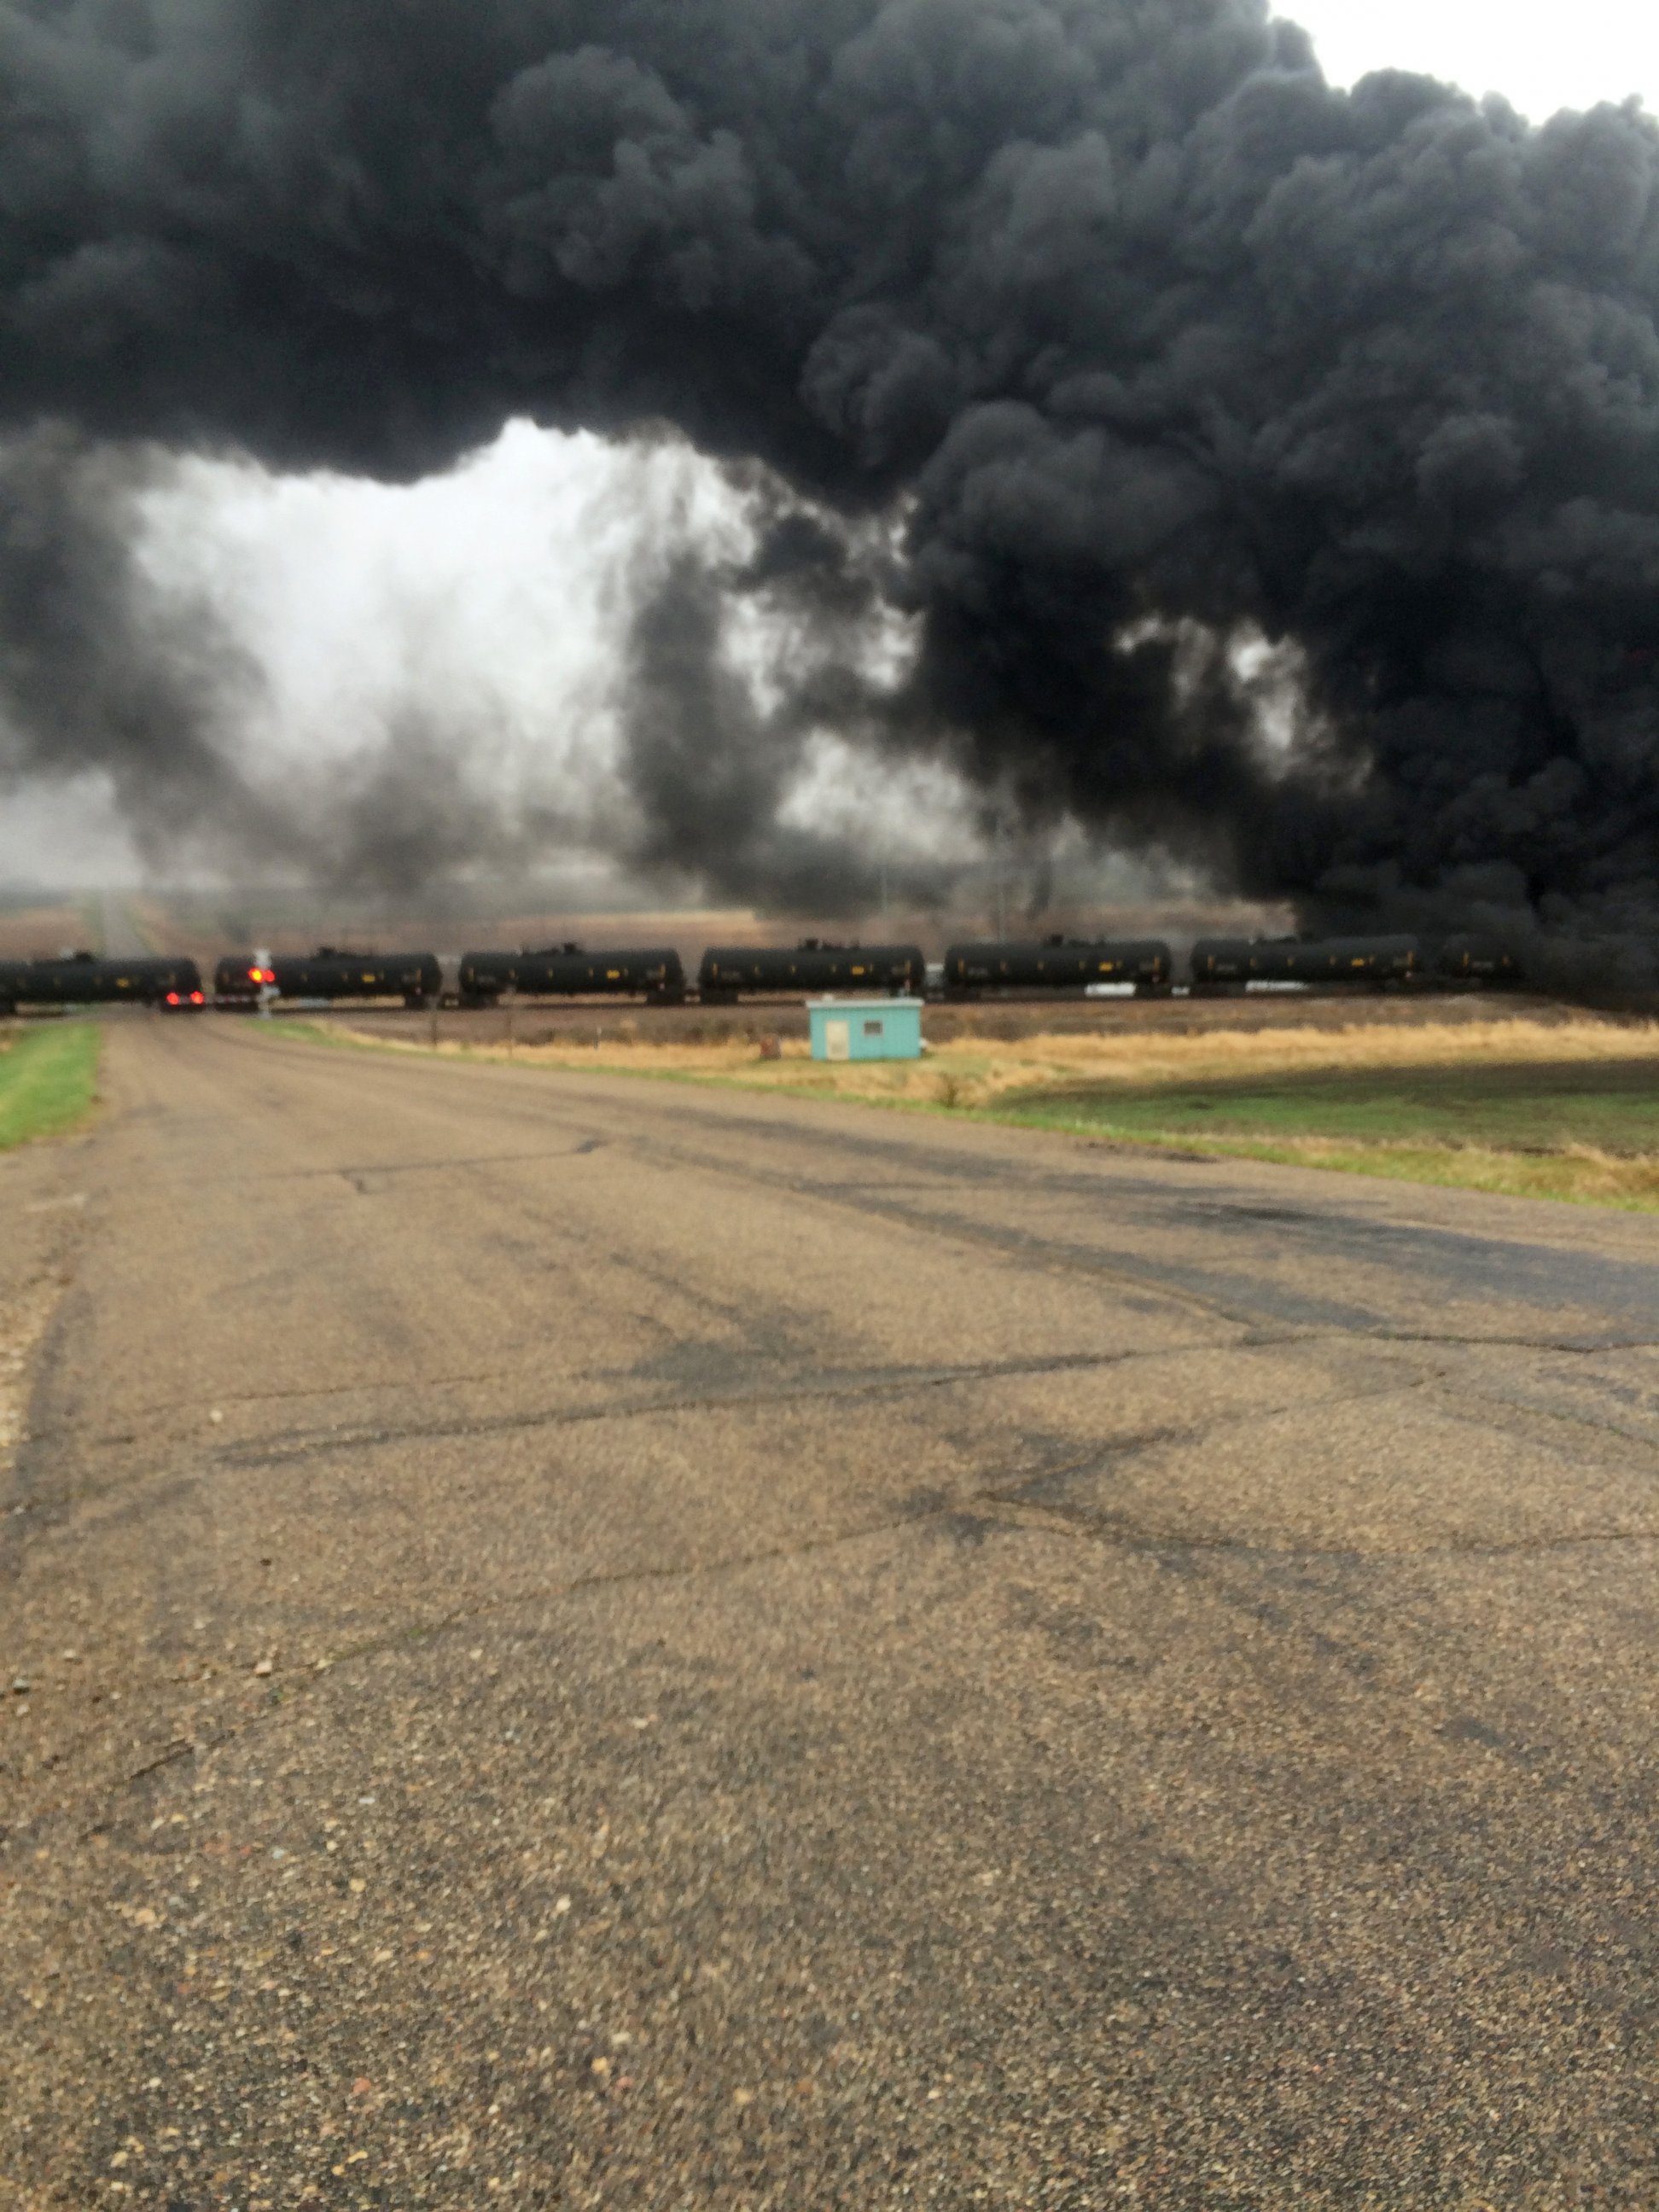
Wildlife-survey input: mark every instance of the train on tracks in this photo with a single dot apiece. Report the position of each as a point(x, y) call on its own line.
point(1231, 963)
point(80, 979)
point(653, 973)
point(1046, 967)
point(329, 973)
point(1058, 966)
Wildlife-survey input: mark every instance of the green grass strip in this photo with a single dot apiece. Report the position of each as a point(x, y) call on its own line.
point(1586, 1132)
point(48, 1080)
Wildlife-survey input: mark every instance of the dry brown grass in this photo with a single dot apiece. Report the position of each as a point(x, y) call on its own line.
point(1584, 1174)
point(972, 1071)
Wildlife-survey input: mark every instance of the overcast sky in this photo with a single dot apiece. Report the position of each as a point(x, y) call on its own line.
point(1540, 55)
point(508, 574)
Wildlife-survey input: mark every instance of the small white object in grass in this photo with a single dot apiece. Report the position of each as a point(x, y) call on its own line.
point(215, 1417)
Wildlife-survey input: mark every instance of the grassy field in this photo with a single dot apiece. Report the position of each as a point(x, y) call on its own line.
point(48, 1077)
point(1566, 1109)
point(1589, 1133)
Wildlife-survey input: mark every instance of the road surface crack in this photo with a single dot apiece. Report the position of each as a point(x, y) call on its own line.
point(294, 1685)
point(289, 1684)
point(48, 1499)
point(1124, 1533)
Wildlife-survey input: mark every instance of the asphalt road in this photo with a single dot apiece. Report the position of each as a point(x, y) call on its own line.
point(598, 1642)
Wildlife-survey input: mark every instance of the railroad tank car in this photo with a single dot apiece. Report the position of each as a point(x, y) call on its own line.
point(652, 972)
point(1481, 962)
point(1058, 963)
point(1220, 964)
point(731, 971)
point(330, 972)
point(83, 980)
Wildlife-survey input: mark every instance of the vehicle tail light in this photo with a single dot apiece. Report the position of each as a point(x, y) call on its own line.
point(198, 999)
point(172, 998)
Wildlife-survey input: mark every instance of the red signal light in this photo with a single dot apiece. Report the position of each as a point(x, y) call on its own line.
point(198, 999)
point(172, 998)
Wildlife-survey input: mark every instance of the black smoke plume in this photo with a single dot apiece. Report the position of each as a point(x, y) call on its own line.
point(1156, 345)
point(95, 676)
point(710, 770)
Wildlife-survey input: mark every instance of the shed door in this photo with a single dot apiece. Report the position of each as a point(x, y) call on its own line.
point(838, 1040)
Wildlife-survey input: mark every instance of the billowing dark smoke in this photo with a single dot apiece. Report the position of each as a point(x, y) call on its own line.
point(711, 771)
point(1155, 343)
point(100, 672)
point(711, 768)
point(94, 674)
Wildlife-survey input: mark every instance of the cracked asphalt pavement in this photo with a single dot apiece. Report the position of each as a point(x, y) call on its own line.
point(577, 1642)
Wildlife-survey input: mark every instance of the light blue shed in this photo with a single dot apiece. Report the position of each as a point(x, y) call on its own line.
point(866, 1029)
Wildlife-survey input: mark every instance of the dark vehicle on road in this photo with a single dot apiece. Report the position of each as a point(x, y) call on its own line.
point(734, 971)
point(1224, 964)
point(1058, 963)
point(83, 980)
point(331, 973)
point(1480, 961)
point(566, 971)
